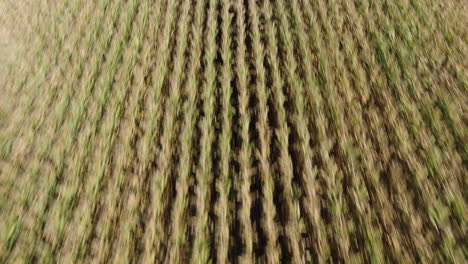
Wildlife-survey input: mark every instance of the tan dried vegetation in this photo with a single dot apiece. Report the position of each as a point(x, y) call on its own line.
point(233, 131)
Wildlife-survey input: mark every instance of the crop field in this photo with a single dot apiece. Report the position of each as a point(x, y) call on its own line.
point(233, 131)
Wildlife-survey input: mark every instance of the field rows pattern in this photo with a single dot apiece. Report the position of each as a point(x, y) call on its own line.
point(234, 131)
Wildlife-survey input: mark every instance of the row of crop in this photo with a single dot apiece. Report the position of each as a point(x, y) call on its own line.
point(374, 188)
point(15, 133)
point(263, 149)
point(178, 238)
point(118, 179)
point(61, 122)
point(401, 104)
point(245, 154)
point(436, 164)
point(124, 237)
point(32, 173)
point(109, 122)
point(41, 65)
point(224, 182)
point(202, 238)
point(162, 195)
point(149, 143)
point(70, 173)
